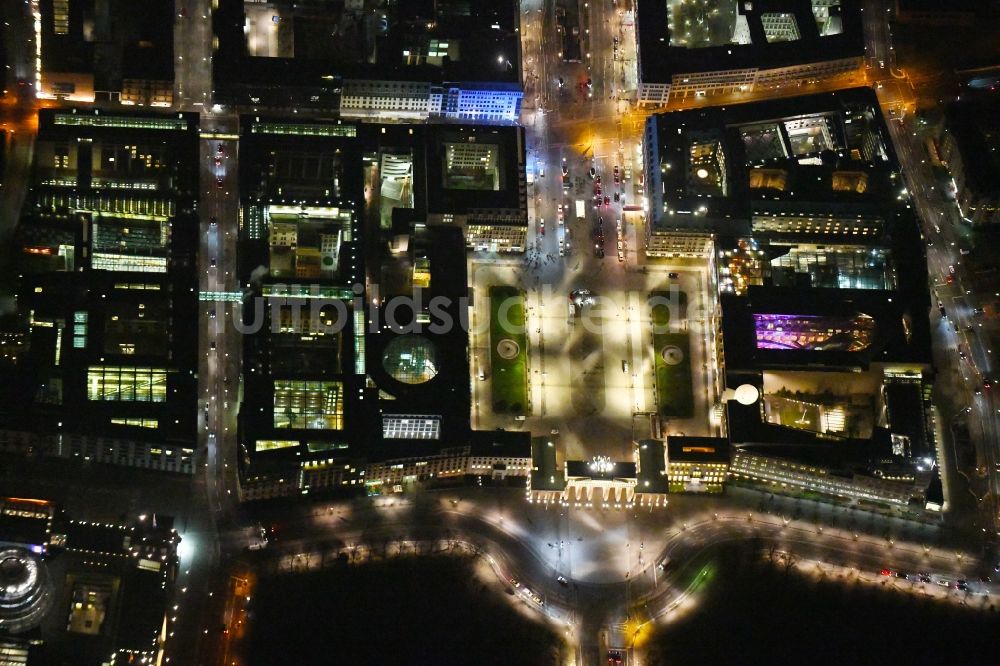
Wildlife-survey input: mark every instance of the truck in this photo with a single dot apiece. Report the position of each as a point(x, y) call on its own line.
point(581, 209)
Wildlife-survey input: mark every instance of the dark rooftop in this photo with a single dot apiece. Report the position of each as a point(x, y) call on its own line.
point(651, 467)
point(973, 124)
point(544, 473)
point(317, 42)
point(660, 58)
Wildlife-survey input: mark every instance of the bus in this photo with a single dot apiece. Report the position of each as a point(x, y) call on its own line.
point(581, 209)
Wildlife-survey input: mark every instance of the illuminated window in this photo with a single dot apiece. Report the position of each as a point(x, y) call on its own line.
point(396, 426)
point(60, 16)
point(304, 129)
point(79, 329)
point(126, 384)
point(273, 444)
point(121, 262)
point(141, 423)
point(311, 405)
point(121, 122)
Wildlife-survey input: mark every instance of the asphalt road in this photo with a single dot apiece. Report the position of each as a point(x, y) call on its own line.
point(610, 559)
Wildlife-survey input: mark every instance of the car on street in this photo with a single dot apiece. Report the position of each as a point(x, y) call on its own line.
point(593, 172)
point(607, 201)
point(673, 276)
point(212, 222)
point(541, 226)
point(562, 581)
point(211, 313)
point(615, 657)
point(617, 175)
point(218, 182)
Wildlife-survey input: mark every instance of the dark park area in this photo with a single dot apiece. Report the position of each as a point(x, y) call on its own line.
point(769, 614)
point(408, 610)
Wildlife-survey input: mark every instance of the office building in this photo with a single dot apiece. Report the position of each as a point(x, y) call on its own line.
point(106, 251)
point(350, 232)
point(742, 46)
point(697, 464)
point(970, 147)
point(81, 592)
point(821, 278)
point(794, 475)
point(106, 50)
point(409, 61)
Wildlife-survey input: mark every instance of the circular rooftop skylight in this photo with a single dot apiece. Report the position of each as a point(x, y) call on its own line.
point(410, 359)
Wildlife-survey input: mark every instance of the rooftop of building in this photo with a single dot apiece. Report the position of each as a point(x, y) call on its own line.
point(103, 598)
point(688, 449)
point(826, 155)
point(474, 169)
point(843, 457)
point(313, 43)
point(936, 6)
point(500, 443)
point(808, 328)
point(972, 123)
point(651, 467)
point(126, 370)
point(545, 474)
point(113, 40)
point(677, 37)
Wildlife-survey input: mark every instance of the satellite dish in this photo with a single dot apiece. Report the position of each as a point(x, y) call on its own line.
point(746, 394)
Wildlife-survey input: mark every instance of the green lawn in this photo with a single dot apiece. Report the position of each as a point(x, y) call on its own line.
point(509, 377)
point(674, 388)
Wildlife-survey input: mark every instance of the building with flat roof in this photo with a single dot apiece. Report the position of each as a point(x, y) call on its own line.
point(599, 482)
point(686, 50)
point(80, 592)
point(789, 473)
point(934, 13)
point(111, 50)
point(970, 146)
point(354, 248)
point(821, 276)
point(697, 464)
point(409, 61)
point(106, 252)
